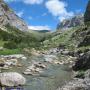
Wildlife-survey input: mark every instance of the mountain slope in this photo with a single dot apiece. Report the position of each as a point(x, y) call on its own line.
point(77, 20)
point(7, 16)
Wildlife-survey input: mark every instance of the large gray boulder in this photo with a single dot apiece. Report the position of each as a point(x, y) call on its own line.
point(11, 79)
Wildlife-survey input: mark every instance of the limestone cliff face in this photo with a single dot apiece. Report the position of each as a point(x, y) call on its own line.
point(7, 16)
point(72, 22)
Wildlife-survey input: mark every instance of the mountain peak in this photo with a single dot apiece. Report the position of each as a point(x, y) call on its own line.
point(77, 20)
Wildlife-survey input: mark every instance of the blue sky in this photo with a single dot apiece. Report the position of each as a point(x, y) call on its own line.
point(46, 14)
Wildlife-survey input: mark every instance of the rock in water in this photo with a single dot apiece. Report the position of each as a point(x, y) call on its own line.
point(11, 79)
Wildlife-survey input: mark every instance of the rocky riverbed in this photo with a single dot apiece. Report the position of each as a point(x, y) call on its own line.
point(45, 71)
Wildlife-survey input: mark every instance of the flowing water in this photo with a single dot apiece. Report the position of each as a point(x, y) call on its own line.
point(50, 79)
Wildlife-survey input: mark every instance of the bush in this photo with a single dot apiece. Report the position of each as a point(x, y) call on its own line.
point(10, 45)
point(80, 74)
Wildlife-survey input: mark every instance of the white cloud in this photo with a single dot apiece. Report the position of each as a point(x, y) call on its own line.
point(20, 14)
point(39, 27)
point(58, 8)
point(33, 1)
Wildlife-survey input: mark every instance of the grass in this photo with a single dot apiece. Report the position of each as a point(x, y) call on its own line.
point(10, 51)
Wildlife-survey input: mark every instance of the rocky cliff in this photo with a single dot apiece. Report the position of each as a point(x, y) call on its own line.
point(7, 16)
point(72, 22)
point(87, 14)
point(82, 35)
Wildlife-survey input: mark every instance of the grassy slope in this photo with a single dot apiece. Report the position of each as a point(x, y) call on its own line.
point(62, 38)
point(69, 38)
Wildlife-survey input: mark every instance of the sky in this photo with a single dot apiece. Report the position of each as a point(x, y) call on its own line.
point(46, 14)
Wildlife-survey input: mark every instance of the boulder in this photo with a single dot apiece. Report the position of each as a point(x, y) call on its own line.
point(11, 79)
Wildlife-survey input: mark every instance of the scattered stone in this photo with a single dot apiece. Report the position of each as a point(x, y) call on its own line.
point(10, 62)
point(40, 65)
point(15, 56)
point(35, 68)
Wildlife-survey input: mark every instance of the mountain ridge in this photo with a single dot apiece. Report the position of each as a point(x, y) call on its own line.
point(76, 20)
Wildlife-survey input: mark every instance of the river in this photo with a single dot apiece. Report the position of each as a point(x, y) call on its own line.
point(50, 79)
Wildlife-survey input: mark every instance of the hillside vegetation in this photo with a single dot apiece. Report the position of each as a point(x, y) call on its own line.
point(15, 40)
point(60, 38)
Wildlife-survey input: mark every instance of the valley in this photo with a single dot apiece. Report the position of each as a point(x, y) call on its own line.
point(42, 59)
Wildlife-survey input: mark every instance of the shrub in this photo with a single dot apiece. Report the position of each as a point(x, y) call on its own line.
point(10, 45)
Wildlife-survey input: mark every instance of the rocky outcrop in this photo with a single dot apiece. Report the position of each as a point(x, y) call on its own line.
point(72, 22)
point(7, 16)
point(83, 62)
point(11, 79)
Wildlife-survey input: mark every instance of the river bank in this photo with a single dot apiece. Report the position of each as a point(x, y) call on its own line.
point(81, 78)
